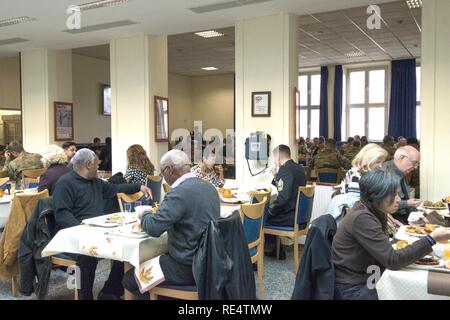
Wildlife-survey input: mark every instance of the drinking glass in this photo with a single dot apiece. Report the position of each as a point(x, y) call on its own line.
point(127, 207)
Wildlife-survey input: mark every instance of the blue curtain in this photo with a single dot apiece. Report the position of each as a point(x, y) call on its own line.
point(338, 103)
point(323, 125)
point(402, 113)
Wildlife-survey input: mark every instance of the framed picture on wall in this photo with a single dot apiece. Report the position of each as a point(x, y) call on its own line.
point(63, 121)
point(261, 104)
point(161, 119)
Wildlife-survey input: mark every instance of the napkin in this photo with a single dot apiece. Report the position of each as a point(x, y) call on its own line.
point(149, 274)
point(435, 218)
point(438, 283)
point(416, 217)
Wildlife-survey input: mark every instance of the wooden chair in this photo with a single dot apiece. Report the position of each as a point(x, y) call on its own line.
point(130, 198)
point(328, 175)
point(4, 174)
point(166, 187)
point(154, 183)
point(176, 292)
point(30, 177)
point(303, 212)
point(307, 172)
point(252, 217)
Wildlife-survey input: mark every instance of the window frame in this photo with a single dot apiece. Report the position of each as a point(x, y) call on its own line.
point(308, 107)
point(366, 105)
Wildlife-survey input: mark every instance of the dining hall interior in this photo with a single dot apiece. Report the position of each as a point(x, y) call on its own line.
point(305, 141)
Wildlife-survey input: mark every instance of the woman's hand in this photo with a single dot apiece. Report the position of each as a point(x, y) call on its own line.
point(147, 192)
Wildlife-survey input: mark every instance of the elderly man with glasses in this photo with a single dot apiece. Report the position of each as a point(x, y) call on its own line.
point(406, 160)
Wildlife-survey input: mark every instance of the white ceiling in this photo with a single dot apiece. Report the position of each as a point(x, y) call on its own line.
point(158, 17)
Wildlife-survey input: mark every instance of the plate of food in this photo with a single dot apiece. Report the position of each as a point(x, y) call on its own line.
point(130, 231)
point(418, 231)
point(112, 220)
point(439, 205)
point(428, 262)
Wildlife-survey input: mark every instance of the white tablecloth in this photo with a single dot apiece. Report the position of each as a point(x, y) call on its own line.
point(108, 246)
point(5, 208)
point(405, 284)
point(322, 198)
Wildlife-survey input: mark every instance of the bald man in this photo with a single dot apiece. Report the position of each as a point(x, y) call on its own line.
point(406, 160)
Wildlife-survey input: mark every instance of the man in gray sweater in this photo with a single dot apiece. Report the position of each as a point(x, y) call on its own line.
point(184, 213)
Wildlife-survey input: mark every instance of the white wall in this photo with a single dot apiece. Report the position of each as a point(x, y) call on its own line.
point(88, 76)
point(180, 104)
point(10, 83)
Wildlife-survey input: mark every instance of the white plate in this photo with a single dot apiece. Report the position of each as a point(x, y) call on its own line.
point(416, 234)
point(127, 231)
point(102, 221)
point(428, 267)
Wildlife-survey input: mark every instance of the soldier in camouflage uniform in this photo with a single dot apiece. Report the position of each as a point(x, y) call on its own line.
point(351, 151)
point(347, 145)
point(330, 158)
point(388, 145)
point(303, 152)
point(17, 160)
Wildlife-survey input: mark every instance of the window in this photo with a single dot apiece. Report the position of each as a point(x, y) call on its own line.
point(419, 98)
point(309, 87)
point(365, 114)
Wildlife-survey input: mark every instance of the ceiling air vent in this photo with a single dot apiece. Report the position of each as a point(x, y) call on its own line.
point(225, 5)
point(5, 42)
point(355, 54)
point(16, 20)
point(102, 26)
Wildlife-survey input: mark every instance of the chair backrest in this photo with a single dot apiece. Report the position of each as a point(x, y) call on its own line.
point(328, 175)
point(307, 170)
point(4, 174)
point(258, 196)
point(304, 206)
point(28, 201)
point(131, 198)
point(33, 173)
point(252, 222)
point(154, 183)
point(166, 187)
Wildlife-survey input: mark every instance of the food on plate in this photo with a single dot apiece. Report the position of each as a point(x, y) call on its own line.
point(428, 203)
point(428, 261)
point(221, 190)
point(114, 218)
point(402, 244)
point(439, 204)
point(446, 199)
point(227, 194)
point(416, 230)
point(429, 228)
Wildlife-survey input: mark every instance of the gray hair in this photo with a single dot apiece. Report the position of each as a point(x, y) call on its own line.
point(82, 157)
point(405, 151)
point(174, 158)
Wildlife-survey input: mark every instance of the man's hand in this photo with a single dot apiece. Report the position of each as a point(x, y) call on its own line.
point(413, 203)
point(440, 234)
point(147, 192)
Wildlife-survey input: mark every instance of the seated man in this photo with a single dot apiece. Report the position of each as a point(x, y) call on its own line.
point(330, 158)
point(17, 160)
point(288, 178)
point(79, 195)
point(184, 213)
point(70, 148)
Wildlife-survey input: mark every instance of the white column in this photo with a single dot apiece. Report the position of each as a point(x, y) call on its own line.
point(46, 78)
point(435, 115)
point(139, 71)
point(266, 60)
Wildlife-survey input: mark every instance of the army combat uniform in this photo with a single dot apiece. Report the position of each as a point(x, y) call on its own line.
point(390, 150)
point(24, 161)
point(290, 176)
point(350, 152)
point(331, 159)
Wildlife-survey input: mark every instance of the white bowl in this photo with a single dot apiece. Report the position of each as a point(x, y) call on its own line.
point(142, 209)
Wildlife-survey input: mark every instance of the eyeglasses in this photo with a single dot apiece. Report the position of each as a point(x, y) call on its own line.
point(415, 164)
point(162, 171)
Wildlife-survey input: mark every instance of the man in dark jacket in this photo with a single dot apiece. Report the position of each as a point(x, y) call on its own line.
point(185, 214)
point(79, 195)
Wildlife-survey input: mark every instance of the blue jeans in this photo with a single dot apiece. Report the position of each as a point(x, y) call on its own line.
point(354, 292)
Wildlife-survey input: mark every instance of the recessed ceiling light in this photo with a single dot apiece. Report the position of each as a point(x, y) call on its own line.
point(413, 4)
point(210, 68)
point(97, 4)
point(355, 54)
point(16, 20)
point(209, 34)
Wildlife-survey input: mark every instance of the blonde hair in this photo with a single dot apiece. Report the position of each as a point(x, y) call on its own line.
point(367, 156)
point(54, 155)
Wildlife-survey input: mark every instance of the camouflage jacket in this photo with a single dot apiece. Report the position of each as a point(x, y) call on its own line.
point(330, 159)
point(390, 150)
point(350, 152)
point(23, 162)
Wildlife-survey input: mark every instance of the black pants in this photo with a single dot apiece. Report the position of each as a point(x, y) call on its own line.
point(174, 273)
point(87, 266)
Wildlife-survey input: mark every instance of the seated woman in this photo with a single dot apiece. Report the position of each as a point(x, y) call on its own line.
point(361, 239)
point(370, 157)
point(139, 165)
point(207, 171)
point(55, 160)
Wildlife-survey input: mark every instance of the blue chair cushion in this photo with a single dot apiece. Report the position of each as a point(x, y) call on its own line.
point(328, 177)
point(64, 256)
point(253, 251)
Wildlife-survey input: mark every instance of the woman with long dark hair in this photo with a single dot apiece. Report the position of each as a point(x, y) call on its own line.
point(362, 238)
point(139, 165)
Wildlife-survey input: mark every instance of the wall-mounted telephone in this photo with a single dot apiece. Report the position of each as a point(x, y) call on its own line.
point(257, 147)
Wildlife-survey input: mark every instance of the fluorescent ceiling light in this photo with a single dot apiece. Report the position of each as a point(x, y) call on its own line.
point(210, 68)
point(355, 54)
point(209, 34)
point(16, 20)
point(413, 4)
point(97, 4)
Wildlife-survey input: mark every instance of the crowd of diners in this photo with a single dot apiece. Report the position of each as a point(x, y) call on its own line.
point(375, 187)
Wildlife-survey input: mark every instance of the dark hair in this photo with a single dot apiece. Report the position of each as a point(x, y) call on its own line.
point(321, 140)
point(283, 149)
point(386, 139)
point(15, 146)
point(97, 140)
point(357, 143)
point(108, 140)
point(376, 187)
point(350, 139)
point(412, 140)
point(301, 140)
point(68, 144)
point(331, 143)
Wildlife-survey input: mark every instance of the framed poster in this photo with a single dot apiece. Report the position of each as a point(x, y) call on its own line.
point(161, 119)
point(261, 104)
point(63, 121)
